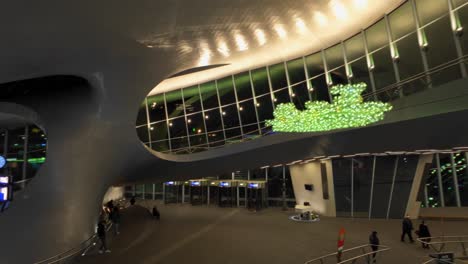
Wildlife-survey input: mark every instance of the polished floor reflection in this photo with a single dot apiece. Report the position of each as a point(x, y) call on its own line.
point(190, 234)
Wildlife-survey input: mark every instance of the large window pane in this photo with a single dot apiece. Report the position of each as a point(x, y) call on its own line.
point(243, 88)
point(192, 99)
point(226, 91)
point(382, 185)
point(281, 96)
point(410, 61)
point(195, 123)
point(300, 95)
point(338, 76)
point(362, 185)
point(384, 74)
point(463, 15)
point(462, 174)
point(264, 108)
point(361, 74)
point(216, 138)
point(441, 50)
point(230, 116)
point(402, 21)
point(430, 10)
point(213, 122)
point(260, 81)
point(447, 180)
point(209, 95)
point(247, 112)
point(342, 184)
point(403, 182)
point(177, 127)
point(296, 70)
point(278, 76)
point(376, 36)
point(355, 47)
point(174, 102)
point(156, 108)
point(334, 56)
point(158, 132)
point(198, 142)
point(317, 73)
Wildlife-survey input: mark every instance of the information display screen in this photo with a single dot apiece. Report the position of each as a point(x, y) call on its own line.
point(4, 180)
point(4, 193)
point(253, 185)
point(195, 183)
point(224, 184)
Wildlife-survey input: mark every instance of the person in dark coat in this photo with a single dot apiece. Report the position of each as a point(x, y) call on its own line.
point(424, 235)
point(407, 226)
point(374, 242)
point(115, 219)
point(132, 201)
point(155, 213)
point(101, 233)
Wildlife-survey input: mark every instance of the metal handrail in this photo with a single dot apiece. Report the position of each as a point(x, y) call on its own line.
point(82, 247)
point(451, 240)
point(353, 259)
point(69, 253)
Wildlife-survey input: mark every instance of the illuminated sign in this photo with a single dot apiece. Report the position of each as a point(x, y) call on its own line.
point(253, 185)
point(170, 183)
point(195, 183)
point(4, 180)
point(224, 184)
point(3, 162)
point(4, 193)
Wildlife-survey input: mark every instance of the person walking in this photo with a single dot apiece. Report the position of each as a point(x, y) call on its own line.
point(101, 232)
point(115, 219)
point(374, 243)
point(407, 227)
point(424, 235)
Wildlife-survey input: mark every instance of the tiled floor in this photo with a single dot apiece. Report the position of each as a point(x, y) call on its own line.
point(195, 234)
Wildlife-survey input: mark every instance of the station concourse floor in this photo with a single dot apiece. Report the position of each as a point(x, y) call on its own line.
point(201, 234)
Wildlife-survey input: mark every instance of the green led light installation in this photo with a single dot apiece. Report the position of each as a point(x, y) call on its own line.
point(347, 110)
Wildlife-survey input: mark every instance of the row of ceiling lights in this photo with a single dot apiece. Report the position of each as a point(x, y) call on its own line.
point(337, 8)
point(416, 152)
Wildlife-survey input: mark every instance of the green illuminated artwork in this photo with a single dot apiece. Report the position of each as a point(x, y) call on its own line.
point(347, 110)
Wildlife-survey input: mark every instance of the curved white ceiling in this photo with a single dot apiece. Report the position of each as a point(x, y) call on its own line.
point(249, 34)
point(243, 33)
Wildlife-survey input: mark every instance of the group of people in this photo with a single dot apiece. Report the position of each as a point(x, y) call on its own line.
point(407, 227)
point(423, 232)
point(112, 212)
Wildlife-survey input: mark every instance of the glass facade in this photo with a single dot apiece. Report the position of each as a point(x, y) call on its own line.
point(414, 48)
point(19, 144)
point(277, 180)
point(445, 182)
